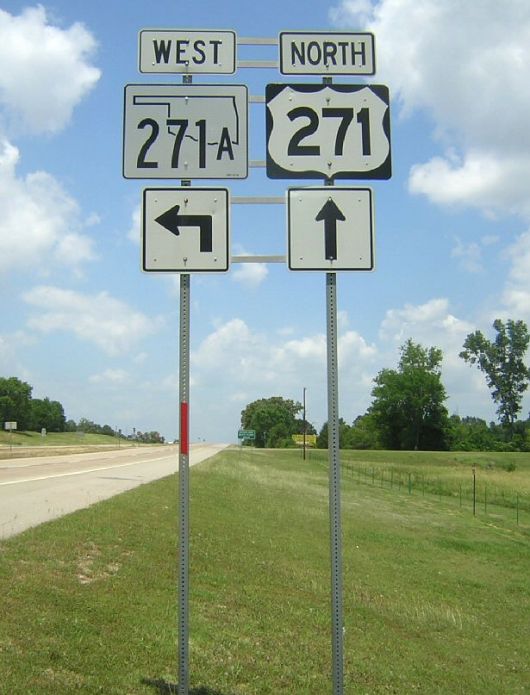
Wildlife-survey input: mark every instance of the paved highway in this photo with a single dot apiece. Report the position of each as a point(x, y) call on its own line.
point(34, 490)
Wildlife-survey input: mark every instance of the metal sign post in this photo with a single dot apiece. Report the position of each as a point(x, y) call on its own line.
point(334, 487)
point(313, 131)
point(184, 494)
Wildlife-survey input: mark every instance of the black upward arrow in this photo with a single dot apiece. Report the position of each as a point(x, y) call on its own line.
point(171, 220)
point(330, 213)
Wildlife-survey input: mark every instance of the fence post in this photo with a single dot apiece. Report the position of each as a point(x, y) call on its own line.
point(474, 491)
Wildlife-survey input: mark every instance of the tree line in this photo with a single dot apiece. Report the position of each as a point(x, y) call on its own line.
point(35, 414)
point(408, 408)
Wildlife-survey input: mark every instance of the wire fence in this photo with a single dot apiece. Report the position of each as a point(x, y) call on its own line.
point(476, 496)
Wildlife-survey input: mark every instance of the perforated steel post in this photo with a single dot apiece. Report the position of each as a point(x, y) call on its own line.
point(183, 578)
point(334, 487)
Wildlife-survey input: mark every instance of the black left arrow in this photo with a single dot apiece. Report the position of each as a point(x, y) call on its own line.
point(171, 220)
point(330, 213)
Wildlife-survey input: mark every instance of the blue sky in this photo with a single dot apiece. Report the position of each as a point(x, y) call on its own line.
point(82, 323)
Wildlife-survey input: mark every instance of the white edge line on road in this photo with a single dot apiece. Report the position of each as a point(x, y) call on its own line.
point(88, 470)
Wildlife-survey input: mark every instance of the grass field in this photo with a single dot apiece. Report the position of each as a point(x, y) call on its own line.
point(501, 481)
point(435, 600)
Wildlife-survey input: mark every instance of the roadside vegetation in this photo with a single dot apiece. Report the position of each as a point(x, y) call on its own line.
point(19, 411)
point(436, 600)
point(408, 409)
point(23, 444)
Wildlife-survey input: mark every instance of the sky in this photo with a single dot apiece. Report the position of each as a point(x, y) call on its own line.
point(84, 325)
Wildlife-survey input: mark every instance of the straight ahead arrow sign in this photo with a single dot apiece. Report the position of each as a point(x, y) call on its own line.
point(172, 221)
point(330, 213)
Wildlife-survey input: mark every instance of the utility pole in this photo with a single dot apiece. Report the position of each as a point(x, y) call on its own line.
point(305, 424)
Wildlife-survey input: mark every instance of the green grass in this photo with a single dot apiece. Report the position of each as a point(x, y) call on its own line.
point(502, 480)
point(22, 444)
point(435, 601)
point(55, 439)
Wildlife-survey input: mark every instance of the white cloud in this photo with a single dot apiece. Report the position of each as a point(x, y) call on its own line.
point(352, 12)
point(232, 345)
point(110, 377)
point(469, 255)
point(516, 295)
point(135, 231)
point(465, 64)
point(40, 223)
point(108, 323)
point(10, 349)
point(488, 180)
point(250, 274)
point(235, 365)
point(45, 70)
point(430, 324)
point(399, 324)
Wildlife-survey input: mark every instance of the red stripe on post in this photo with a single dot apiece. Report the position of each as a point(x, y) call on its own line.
point(184, 429)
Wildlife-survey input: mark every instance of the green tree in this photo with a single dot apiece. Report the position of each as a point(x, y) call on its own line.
point(502, 361)
point(302, 424)
point(471, 434)
point(15, 402)
point(344, 435)
point(47, 414)
point(273, 419)
point(363, 433)
point(150, 437)
point(87, 426)
point(408, 407)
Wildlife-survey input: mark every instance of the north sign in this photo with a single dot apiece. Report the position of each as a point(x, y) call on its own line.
point(185, 230)
point(332, 131)
point(185, 131)
point(187, 51)
point(325, 53)
point(330, 228)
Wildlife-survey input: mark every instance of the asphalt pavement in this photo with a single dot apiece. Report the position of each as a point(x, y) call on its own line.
point(35, 490)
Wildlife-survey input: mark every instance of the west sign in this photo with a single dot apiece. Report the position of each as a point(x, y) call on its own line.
point(188, 51)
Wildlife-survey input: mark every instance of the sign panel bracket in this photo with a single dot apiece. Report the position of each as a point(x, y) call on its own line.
point(258, 259)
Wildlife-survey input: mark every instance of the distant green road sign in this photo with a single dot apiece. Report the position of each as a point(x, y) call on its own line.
point(246, 434)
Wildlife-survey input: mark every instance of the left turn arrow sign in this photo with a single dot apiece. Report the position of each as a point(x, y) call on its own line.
point(171, 220)
point(186, 230)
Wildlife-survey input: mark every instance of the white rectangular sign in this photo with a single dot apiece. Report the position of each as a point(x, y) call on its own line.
point(330, 228)
point(185, 131)
point(10, 426)
point(325, 53)
point(186, 230)
point(187, 51)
